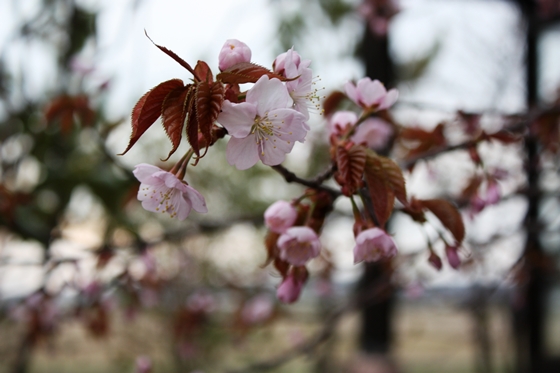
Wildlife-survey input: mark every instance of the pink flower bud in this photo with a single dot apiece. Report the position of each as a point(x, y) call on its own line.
point(372, 245)
point(453, 256)
point(492, 193)
point(374, 132)
point(291, 287)
point(143, 364)
point(280, 216)
point(287, 64)
point(232, 53)
point(298, 245)
point(340, 121)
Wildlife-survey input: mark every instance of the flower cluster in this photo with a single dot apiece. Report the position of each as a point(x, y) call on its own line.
point(263, 124)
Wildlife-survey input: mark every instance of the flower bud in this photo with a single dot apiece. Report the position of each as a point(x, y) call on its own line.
point(453, 256)
point(292, 285)
point(372, 245)
point(232, 53)
point(298, 245)
point(280, 216)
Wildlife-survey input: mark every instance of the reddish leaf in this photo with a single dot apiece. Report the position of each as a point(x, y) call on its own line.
point(203, 72)
point(385, 182)
point(420, 141)
point(209, 99)
point(173, 115)
point(448, 215)
point(381, 194)
point(505, 137)
point(172, 54)
point(66, 109)
point(331, 103)
point(350, 165)
point(245, 72)
point(394, 176)
point(148, 109)
point(192, 122)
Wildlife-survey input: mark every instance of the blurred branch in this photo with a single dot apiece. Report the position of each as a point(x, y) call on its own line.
point(290, 177)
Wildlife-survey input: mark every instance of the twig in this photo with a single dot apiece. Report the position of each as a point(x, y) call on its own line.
point(317, 183)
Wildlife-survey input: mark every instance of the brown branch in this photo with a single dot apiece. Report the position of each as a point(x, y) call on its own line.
point(317, 183)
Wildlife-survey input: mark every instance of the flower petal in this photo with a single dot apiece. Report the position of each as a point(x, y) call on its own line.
point(242, 153)
point(389, 99)
point(144, 171)
point(197, 200)
point(372, 92)
point(237, 118)
point(268, 94)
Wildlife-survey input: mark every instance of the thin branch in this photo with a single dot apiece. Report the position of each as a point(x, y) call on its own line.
point(317, 183)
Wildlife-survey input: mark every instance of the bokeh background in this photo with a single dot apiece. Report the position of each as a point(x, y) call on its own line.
point(91, 282)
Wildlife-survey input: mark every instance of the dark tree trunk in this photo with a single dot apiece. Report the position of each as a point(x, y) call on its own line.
point(375, 286)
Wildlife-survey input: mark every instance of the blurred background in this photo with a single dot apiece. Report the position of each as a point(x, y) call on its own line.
point(91, 282)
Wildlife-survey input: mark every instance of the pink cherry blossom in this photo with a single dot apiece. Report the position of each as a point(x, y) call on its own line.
point(290, 288)
point(298, 245)
point(340, 121)
point(280, 216)
point(372, 245)
point(289, 63)
point(232, 53)
point(492, 193)
point(453, 256)
point(374, 132)
point(257, 310)
point(263, 127)
point(162, 191)
point(371, 94)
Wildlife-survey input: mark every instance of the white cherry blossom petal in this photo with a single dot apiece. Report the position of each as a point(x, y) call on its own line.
point(237, 118)
point(268, 94)
point(242, 153)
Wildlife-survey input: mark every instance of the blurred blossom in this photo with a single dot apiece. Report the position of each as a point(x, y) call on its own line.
point(341, 121)
point(453, 259)
point(290, 288)
point(201, 302)
point(374, 244)
point(257, 310)
point(298, 245)
point(374, 132)
point(371, 94)
point(280, 216)
point(143, 364)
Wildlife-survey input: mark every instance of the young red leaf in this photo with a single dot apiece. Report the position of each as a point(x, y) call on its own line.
point(245, 72)
point(203, 72)
point(148, 109)
point(178, 59)
point(209, 99)
point(394, 176)
point(448, 215)
point(350, 168)
point(173, 115)
point(380, 191)
point(192, 121)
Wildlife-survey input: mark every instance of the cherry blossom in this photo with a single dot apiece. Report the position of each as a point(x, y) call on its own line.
point(232, 53)
point(374, 132)
point(291, 287)
point(290, 65)
point(162, 191)
point(280, 216)
point(290, 60)
point(372, 245)
point(341, 121)
point(453, 256)
point(263, 127)
point(298, 245)
point(371, 95)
